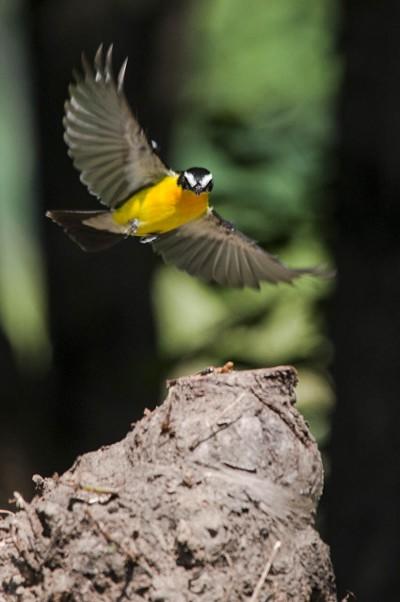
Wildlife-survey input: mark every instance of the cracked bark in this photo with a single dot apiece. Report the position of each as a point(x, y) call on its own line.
point(211, 497)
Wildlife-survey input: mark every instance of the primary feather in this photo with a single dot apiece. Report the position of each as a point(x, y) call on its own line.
point(105, 141)
point(212, 249)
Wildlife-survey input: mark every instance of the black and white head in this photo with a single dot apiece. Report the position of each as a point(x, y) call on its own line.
point(196, 179)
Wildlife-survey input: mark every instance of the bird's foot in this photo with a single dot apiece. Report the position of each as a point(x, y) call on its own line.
point(132, 228)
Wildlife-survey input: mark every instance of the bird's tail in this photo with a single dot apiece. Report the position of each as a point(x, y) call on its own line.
point(94, 237)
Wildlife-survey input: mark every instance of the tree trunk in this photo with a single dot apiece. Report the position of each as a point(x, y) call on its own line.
point(362, 504)
point(100, 306)
point(212, 496)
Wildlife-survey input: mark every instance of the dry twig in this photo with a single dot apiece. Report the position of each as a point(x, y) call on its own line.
point(265, 572)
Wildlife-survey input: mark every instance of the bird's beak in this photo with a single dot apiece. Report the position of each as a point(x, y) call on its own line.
point(198, 190)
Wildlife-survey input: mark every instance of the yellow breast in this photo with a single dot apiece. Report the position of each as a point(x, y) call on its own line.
point(162, 207)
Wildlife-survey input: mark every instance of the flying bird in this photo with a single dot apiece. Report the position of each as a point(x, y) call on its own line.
point(144, 198)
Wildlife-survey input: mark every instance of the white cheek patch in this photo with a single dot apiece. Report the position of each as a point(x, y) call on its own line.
point(189, 177)
point(205, 180)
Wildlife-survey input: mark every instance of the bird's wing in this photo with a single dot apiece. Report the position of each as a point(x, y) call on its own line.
point(106, 142)
point(212, 249)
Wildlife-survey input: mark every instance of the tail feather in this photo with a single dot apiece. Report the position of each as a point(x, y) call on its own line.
point(89, 238)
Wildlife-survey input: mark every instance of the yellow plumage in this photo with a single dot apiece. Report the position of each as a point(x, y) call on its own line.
point(161, 208)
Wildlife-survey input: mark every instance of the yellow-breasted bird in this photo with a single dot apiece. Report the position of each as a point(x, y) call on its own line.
point(168, 209)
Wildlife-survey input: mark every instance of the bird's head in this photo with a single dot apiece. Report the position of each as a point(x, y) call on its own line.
point(196, 179)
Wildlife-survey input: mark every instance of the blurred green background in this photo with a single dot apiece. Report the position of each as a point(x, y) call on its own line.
point(255, 107)
point(257, 110)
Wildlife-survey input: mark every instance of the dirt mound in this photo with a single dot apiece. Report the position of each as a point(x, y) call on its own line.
point(211, 497)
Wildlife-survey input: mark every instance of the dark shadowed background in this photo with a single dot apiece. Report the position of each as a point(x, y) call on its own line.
point(295, 109)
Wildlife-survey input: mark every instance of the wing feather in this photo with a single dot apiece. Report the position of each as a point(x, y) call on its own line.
point(214, 250)
point(105, 141)
point(251, 279)
point(219, 268)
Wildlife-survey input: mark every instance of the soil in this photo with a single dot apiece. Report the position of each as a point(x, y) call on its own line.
point(210, 497)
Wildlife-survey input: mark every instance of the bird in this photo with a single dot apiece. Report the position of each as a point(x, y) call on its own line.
point(143, 197)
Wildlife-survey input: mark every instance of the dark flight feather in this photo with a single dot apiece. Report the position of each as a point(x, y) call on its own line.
point(105, 141)
point(212, 249)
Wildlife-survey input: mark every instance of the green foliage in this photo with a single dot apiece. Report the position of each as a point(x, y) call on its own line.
point(257, 111)
point(22, 290)
point(259, 107)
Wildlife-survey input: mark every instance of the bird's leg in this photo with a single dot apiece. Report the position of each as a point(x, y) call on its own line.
point(132, 227)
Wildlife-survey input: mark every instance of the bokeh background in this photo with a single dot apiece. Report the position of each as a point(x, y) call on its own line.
point(294, 106)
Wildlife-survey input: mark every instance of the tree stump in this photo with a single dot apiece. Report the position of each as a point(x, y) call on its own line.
point(211, 497)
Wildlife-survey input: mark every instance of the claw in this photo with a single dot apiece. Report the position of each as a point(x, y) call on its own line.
point(132, 228)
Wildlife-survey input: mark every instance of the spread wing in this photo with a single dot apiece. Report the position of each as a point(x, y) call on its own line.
point(212, 249)
point(105, 141)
